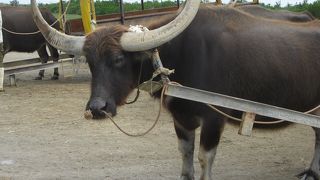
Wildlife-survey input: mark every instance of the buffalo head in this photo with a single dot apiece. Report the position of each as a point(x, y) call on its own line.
point(114, 55)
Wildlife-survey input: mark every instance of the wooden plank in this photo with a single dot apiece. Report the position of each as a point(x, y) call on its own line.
point(242, 105)
point(12, 80)
point(25, 62)
point(247, 124)
point(33, 67)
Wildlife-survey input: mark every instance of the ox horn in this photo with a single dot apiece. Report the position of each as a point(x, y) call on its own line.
point(131, 41)
point(66, 43)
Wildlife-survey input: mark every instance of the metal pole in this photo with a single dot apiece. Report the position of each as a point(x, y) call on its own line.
point(122, 11)
point(86, 16)
point(142, 5)
point(93, 15)
point(178, 3)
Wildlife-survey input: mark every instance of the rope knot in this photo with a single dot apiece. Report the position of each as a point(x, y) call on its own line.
point(162, 70)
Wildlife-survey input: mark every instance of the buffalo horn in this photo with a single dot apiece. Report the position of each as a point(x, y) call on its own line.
point(61, 41)
point(132, 41)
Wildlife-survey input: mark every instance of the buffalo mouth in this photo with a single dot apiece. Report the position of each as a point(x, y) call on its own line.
point(99, 113)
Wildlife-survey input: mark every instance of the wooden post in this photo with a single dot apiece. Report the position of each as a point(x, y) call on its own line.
point(12, 79)
point(247, 124)
point(62, 21)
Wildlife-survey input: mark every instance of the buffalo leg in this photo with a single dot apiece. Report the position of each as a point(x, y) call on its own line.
point(42, 52)
point(186, 148)
point(313, 172)
point(185, 124)
point(211, 129)
point(55, 55)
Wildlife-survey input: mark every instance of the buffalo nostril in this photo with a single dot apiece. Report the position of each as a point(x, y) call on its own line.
point(97, 105)
point(100, 108)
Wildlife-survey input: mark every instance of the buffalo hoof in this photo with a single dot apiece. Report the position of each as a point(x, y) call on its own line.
point(55, 77)
point(308, 175)
point(38, 78)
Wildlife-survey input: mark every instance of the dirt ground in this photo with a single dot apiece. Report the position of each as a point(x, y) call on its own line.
point(43, 135)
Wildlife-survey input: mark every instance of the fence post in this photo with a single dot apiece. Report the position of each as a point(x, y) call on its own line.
point(247, 124)
point(122, 11)
point(142, 5)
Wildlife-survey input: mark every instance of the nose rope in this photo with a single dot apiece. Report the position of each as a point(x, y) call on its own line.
point(138, 90)
point(153, 125)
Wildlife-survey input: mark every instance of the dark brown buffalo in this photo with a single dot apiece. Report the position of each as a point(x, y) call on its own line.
point(223, 50)
point(19, 20)
point(259, 11)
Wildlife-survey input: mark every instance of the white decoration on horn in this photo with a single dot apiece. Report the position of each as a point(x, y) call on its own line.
point(137, 28)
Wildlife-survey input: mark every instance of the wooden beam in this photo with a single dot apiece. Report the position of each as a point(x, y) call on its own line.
point(25, 62)
point(247, 124)
point(33, 68)
point(242, 105)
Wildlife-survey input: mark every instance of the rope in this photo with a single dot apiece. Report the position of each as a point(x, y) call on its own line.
point(237, 119)
point(138, 90)
point(153, 125)
point(36, 32)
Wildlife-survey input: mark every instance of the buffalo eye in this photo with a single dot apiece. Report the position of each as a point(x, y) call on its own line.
point(118, 60)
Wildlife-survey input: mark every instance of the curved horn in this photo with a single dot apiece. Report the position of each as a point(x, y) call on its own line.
point(67, 43)
point(131, 41)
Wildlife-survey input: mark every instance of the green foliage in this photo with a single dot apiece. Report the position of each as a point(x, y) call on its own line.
point(69, 16)
point(14, 3)
point(110, 6)
point(313, 8)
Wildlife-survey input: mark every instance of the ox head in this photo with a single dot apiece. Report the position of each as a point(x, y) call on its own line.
point(113, 55)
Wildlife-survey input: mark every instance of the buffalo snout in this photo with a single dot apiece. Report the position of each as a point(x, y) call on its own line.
point(100, 107)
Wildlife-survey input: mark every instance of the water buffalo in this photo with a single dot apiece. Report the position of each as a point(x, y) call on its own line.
point(19, 19)
point(223, 50)
point(259, 11)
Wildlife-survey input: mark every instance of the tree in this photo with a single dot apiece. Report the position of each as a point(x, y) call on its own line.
point(14, 3)
point(278, 5)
